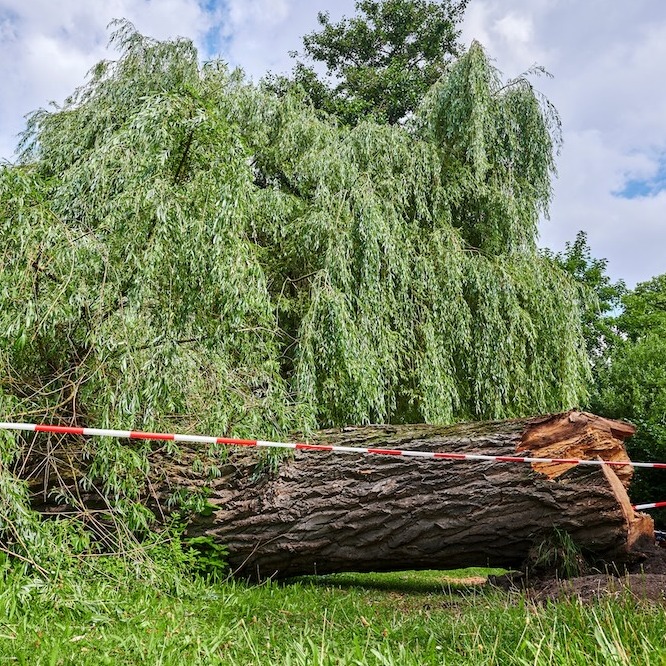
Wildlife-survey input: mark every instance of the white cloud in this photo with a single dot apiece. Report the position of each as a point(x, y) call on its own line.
point(261, 33)
point(51, 81)
point(608, 61)
point(515, 28)
point(477, 24)
point(258, 12)
point(507, 31)
point(47, 48)
point(630, 233)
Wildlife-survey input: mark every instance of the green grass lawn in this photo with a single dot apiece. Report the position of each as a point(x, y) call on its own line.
point(399, 618)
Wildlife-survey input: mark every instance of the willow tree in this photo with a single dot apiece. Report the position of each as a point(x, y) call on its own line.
point(183, 249)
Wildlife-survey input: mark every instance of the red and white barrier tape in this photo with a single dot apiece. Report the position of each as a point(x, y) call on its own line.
point(652, 505)
point(231, 441)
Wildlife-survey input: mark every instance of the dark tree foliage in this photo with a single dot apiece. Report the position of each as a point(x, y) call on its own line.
point(381, 62)
point(627, 354)
point(632, 382)
point(645, 310)
point(600, 298)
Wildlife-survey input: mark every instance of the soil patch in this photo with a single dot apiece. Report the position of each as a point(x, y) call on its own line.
point(644, 579)
point(642, 587)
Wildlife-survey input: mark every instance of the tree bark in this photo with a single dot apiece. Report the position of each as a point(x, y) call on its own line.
point(330, 512)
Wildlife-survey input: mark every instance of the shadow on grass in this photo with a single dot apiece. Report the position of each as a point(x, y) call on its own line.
point(461, 581)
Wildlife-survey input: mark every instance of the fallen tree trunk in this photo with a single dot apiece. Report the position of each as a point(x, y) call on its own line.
point(330, 512)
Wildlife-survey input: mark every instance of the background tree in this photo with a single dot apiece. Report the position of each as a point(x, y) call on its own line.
point(381, 62)
point(645, 310)
point(625, 334)
point(600, 298)
point(632, 383)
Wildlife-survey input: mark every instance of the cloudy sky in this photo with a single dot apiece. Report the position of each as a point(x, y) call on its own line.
point(608, 59)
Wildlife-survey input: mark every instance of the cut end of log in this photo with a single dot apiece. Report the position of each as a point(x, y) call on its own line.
point(576, 435)
point(586, 436)
point(640, 526)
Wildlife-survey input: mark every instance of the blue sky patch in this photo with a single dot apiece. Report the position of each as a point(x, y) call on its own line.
point(215, 41)
point(648, 187)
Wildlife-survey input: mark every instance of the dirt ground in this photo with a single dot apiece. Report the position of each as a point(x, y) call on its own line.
point(644, 587)
point(645, 580)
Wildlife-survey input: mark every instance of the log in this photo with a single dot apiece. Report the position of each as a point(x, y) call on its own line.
point(329, 512)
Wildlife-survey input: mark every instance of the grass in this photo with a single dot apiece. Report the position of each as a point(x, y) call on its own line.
point(375, 619)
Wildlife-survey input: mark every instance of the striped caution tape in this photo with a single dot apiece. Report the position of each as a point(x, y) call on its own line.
point(652, 505)
point(232, 441)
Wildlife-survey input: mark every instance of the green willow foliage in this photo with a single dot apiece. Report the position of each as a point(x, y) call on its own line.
point(182, 249)
point(178, 244)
